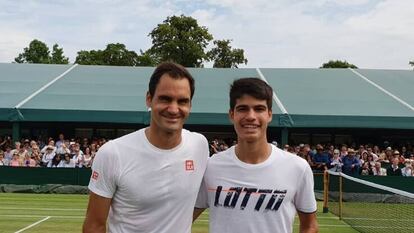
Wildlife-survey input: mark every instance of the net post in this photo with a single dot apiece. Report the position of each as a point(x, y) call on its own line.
point(340, 197)
point(325, 191)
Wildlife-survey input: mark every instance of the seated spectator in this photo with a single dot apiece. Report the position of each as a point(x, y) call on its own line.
point(28, 161)
point(68, 162)
point(55, 161)
point(408, 169)
point(365, 171)
point(394, 169)
point(335, 162)
point(3, 161)
point(350, 163)
point(377, 170)
point(15, 162)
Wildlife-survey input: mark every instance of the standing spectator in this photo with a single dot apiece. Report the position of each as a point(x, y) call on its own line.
point(400, 158)
point(61, 140)
point(8, 154)
point(77, 155)
point(87, 158)
point(371, 153)
point(344, 151)
point(19, 149)
point(394, 169)
point(320, 159)
point(408, 169)
point(377, 170)
point(336, 162)
point(350, 163)
point(388, 153)
point(48, 155)
point(51, 144)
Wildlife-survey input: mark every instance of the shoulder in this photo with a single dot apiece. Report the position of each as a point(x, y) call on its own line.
point(220, 157)
point(194, 136)
point(290, 159)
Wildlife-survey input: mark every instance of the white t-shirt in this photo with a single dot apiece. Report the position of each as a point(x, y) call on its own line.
point(260, 197)
point(152, 190)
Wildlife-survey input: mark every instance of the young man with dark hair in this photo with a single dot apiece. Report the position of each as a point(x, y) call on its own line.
point(254, 186)
point(148, 181)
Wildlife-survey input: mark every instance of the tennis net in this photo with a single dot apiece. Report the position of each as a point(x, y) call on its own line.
point(367, 206)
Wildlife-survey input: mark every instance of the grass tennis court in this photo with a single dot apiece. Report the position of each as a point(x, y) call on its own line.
point(65, 213)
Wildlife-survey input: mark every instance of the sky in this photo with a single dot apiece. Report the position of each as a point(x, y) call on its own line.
point(372, 34)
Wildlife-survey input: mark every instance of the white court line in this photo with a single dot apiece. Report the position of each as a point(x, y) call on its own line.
point(34, 224)
point(17, 208)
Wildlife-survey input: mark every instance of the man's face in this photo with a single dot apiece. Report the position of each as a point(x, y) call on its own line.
point(250, 118)
point(170, 105)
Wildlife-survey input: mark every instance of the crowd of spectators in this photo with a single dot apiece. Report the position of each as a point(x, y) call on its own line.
point(80, 152)
point(65, 153)
point(363, 160)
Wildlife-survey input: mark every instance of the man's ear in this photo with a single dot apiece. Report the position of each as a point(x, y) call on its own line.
point(231, 115)
point(148, 99)
point(270, 115)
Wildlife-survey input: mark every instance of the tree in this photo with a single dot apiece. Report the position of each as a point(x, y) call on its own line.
point(57, 56)
point(180, 39)
point(93, 57)
point(37, 52)
point(411, 63)
point(113, 55)
point(224, 56)
point(338, 64)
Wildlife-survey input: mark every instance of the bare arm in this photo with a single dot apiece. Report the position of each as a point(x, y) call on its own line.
point(308, 223)
point(96, 214)
point(197, 212)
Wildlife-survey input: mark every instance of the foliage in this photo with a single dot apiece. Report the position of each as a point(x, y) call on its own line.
point(38, 52)
point(57, 56)
point(411, 63)
point(338, 64)
point(114, 55)
point(180, 39)
point(224, 56)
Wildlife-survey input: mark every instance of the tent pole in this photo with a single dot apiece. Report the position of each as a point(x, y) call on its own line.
point(284, 137)
point(16, 132)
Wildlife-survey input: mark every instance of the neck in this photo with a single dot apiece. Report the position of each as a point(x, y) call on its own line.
point(161, 139)
point(253, 152)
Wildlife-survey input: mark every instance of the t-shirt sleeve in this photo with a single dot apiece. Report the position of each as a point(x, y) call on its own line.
point(104, 171)
point(305, 197)
point(202, 198)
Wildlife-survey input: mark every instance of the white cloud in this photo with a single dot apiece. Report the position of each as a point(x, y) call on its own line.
point(282, 33)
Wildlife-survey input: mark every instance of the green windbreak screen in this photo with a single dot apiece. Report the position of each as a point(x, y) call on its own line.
point(93, 93)
point(335, 98)
point(399, 82)
point(19, 81)
point(211, 99)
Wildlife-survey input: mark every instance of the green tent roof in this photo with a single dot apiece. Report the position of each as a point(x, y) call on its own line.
point(302, 97)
